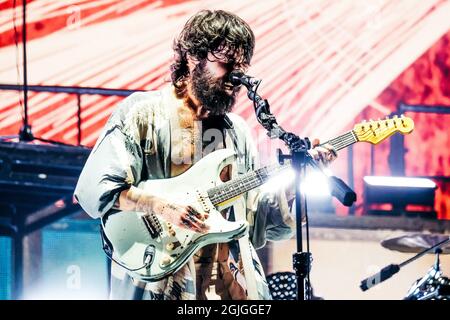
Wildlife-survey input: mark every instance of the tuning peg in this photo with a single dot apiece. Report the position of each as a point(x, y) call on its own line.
point(370, 123)
point(402, 118)
point(363, 124)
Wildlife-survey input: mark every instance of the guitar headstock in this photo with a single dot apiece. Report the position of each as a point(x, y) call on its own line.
point(376, 131)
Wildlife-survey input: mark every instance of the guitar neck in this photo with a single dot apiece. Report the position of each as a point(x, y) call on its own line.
point(242, 184)
point(253, 179)
point(343, 141)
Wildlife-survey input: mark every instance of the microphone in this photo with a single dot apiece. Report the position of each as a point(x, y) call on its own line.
point(237, 78)
point(342, 192)
point(384, 274)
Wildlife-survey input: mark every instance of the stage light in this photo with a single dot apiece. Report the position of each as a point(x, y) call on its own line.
point(279, 181)
point(319, 186)
point(399, 192)
point(316, 185)
point(400, 182)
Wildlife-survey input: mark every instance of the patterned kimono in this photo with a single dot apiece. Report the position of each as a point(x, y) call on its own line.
point(145, 138)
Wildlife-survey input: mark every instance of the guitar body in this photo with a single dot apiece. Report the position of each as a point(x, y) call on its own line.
point(163, 248)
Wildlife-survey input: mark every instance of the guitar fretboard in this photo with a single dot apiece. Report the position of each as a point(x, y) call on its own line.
point(343, 141)
point(256, 178)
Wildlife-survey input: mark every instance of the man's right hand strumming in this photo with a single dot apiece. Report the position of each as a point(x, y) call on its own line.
point(135, 199)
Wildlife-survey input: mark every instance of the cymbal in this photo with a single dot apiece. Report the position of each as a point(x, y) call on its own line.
point(416, 243)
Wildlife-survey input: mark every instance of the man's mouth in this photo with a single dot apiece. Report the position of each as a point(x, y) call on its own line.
point(228, 87)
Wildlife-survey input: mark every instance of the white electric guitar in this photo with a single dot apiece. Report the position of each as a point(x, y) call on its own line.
point(152, 248)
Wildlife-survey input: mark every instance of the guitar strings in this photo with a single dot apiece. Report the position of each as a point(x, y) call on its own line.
point(343, 143)
point(247, 180)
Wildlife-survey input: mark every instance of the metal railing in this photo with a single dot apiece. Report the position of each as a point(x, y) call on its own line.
point(77, 91)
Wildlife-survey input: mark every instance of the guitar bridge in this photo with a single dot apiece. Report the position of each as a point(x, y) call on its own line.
point(152, 224)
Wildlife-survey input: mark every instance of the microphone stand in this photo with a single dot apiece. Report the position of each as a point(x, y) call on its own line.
point(298, 154)
point(300, 158)
point(25, 133)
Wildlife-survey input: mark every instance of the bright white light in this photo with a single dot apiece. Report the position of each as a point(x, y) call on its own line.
point(400, 182)
point(279, 181)
point(327, 171)
point(315, 185)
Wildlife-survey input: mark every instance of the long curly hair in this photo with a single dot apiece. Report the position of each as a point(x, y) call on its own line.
point(219, 32)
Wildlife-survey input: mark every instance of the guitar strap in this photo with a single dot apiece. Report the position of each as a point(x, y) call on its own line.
point(240, 214)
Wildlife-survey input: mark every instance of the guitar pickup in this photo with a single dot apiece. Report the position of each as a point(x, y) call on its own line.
point(152, 224)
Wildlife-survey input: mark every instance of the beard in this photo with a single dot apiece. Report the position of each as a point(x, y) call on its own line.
point(210, 91)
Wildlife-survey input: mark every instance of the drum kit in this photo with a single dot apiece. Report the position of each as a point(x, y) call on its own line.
point(434, 285)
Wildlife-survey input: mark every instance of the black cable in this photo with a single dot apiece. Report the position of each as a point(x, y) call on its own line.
point(257, 86)
point(22, 103)
point(108, 249)
point(25, 60)
point(123, 265)
point(16, 42)
point(255, 94)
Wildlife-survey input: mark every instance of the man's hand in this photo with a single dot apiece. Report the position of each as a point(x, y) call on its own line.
point(135, 199)
point(323, 154)
point(183, 216)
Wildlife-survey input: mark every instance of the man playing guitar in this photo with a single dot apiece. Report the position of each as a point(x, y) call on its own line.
point(161, 134)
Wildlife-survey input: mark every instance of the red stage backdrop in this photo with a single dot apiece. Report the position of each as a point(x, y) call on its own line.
point(325, 65)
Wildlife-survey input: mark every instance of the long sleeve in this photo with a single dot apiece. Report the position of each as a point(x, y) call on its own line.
point(272, 219)
point(270, 211)
point(115, 162)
